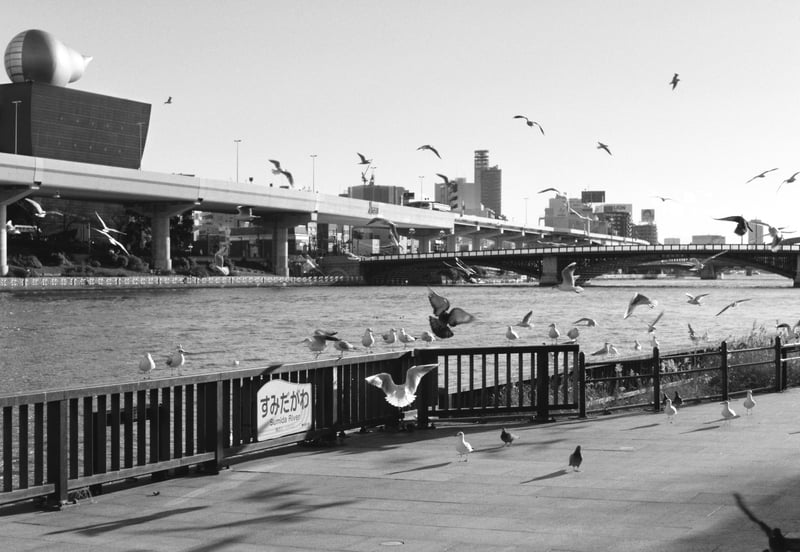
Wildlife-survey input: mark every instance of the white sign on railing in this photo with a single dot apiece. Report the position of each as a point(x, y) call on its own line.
point(283, 408)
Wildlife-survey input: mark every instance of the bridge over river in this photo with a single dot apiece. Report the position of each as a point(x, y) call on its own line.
point(545, 263)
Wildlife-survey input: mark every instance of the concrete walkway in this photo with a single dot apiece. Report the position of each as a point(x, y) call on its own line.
point(645, 485)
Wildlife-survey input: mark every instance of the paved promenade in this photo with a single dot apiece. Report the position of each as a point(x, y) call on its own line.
point(645, 485)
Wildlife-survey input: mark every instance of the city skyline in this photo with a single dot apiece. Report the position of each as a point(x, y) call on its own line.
point(311, 84)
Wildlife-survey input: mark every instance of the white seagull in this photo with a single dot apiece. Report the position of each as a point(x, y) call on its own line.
point(113, 241)
point(731, 305)
point(107, 228)
point(695, 299)
point(343, 347)
point(695, 264)
point(670, 410)
point(638, 300)
point(11, 229)
point(176, 359)
point(749, 402)
point(568, 279)
point(427, 337)
point(401, 395)
point(405, 338)
point(727, 411)
point(368, 339)
point(38, 211)
point(511, 335)
point(147, 365)
point(553, 332)
point(463, 447)
point(390, 337)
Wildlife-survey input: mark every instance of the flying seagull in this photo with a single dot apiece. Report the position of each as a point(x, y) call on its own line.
point(447, 181)
point(107, 228)
point(557, 191)
point(392, 228)
point(568, 279)
point(742, 226)
point(674, 81)
point(588, 322)
point(530, 123)
point(775, 234)
point(526, 320)
point(761, 175)
point(279, 170)
point(638, 300)
point(602, 146)
point(731, 305)
point(664, 199)
point(112, 240)
point(431, 148)
point(788, 180)
point(404, 394)
point(364, 160)
point(695, 264)
point(38, 212)
point(651, 327)
point(169, 100)
point(695, 299)
point(444, 317)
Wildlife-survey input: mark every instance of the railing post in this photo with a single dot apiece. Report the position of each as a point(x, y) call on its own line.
point(428, 395)
point(780, 383)
point(656, 370)
point(724, 367)
point(213, 425)
point(57, 451)
point(542, 387)
point(581, 384)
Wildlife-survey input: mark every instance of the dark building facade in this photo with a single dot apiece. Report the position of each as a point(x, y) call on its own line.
point(489, 181)
point(54, 122)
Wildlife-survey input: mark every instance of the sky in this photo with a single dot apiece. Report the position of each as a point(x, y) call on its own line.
point(300, 78)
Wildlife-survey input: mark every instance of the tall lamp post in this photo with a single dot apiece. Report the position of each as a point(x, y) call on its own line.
point(526, 210)
point(237, 159)
point(16, 116)
point(421, 178)
point(314, 172)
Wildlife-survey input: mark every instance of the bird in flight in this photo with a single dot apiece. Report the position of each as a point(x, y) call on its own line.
point(731, 305)
point(651, 327)
point(761, 175)
point(38, 211)
point(602, 146)
point(675, 80)
point(557, 191)
point(774, 233)
point(588, 322)
point(364, 160)
point(395, 237)
point(431, 148)
point(568, 279)
point(112, 241)
point(530, 123)
point(695, 264)
point(169, 100)
point(664, 199)
point(444, 317)
point(447, 181)
point(107, 228)
point(695, 299)
point(526, 320)
point(279, 170)
point(638, 300)
point(789, 180)
point(404, 394)
point(742, 226)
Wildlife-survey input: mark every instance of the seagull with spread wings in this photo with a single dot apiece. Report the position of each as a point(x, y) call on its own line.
point(444, 317)
point(568, 279)
point(638, 300)
point(530, 123)
point(694, 264)
point(675, 80)
point(761, 175)
point(112, 240)
point(557, 191)
point(602, 146)
point(363, 160)
point(789, 180)
point(38, 211)
point(107, 228)
point(742, 226)
point(279, 170)
point(695, 299)
point(431, 148)
point(732, 305)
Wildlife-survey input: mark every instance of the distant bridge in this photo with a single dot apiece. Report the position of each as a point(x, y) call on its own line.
point(546, 263)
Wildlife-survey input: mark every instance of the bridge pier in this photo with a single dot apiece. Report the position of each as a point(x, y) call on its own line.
point(7, 197)
point(796, 282)
point(280, 239)
point(159, 214)
point(708, 272)
point(550, 273)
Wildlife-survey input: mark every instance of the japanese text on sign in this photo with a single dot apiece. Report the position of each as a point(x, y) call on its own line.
point(283, 408)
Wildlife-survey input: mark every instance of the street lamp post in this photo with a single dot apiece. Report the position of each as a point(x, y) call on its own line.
point(526, 210)
point(237, 160)
point(314, 172)
point(16, 116)
point(421, 178)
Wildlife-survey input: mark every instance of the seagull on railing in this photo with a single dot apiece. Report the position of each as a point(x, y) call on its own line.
point(147, 365)
point(511, 335)
point(742, 226)
point(368, 339)
point(176, 359)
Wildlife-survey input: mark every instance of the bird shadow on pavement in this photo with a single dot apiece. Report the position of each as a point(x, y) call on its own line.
point(646, 426)
point(559, 473)
point(701, 429)
point(421, 468)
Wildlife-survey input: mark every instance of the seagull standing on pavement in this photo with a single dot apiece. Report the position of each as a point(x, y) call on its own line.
point(749, 402)
point(670, 410)
point(727, 412)
point(404, 394)
point(463, 447)
point(568, 279)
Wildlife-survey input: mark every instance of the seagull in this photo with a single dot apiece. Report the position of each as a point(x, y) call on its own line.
point(588, 322)
point(762, 175)
point(176, 359)
point(693, 336)
point(405, 338)
point(664, 199)
point(602, 146)
point(727, 411)
point(427, 337)
point(431, 148)
point(147, 365)
point(674, 81)
point(169, 100)
point(530, 123)
point(638, 300)
point(651, 327)
point(573, 334)
point(731, 305)
point(553, 332)
point(395, 237)
point(343, 346)
point(742, 226)
point(636, 345)
point(447, 182)
point(463, 447)
point(319, 340)
point(695, 299)
point(607, 349)
point(511, 335)
point(443, 316)
point(38, 211)
point(113, 241)
point(670, 410)
point(576, 458)
point(508, 437)
point(749, 402)
point(789, 180)
point(777, 542)
point(107, 228)
point(390, 337)
point(279, 170)
point(775, 234)
point(364, 160)
point(401, 395)
point(368, 339)
point(526, 320)
point(654, 341)
point(568, 279)
point(694, 264)
point(11, 229)
point(556, 190)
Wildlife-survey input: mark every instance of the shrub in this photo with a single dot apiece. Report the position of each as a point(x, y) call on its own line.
point(136, 264)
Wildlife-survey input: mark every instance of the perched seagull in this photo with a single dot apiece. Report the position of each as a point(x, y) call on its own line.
point(279, 170)
point(654, 341)
point(463, 447)
point(749, 402)
point(789, 180)
point(107, 228)
point(169, 100)
point(638, 300)
point(343, 347)
point(444, 317)
point(727, 411)
point(651, 327)
point(147, 365)
point(508, 437)
point(113, 241)
point(427, 337)
point(608, 349)
point(431, 148)
point(695, 264)
point(511, 335)
point(762, 175)
point(390, 337)
point(401, 395)
point(405, 338)
point(553, 332)
point(588, 322)
point(568, 279)
point(368, 339)
point(575, 459)
point(732, 305)
point(602, 146)
point(573, 334)
point(38, 211)
point(557, 191)
point(319, 340)
point(176, 359)
point(364, 160)
point(670, 410)
point(526, 320)
point(530, 123)
point(636, 345)
point(742, 226)
point(695, 299)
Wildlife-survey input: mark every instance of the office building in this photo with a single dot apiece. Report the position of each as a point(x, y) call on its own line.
point(489, 181)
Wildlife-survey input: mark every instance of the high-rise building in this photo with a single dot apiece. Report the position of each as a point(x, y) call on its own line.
point(489, 181)
point(618, 217)
point(381, 194)
point(647, 232)
point(756, 234)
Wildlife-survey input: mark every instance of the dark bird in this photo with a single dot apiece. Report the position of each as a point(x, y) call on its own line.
point(602, 146)
point(732, 305)
point(742, 226)
point(677, 400)
point(447, 181)
point(530, 123)
point(788, 180)
point(364, 160)
point(279, 170)
point(761, 175)
point(675, 80)
point(443, 316)
point(169, 100)
point(431, 148)
point(774, 233)
point(507, 437)
point(557, 191)
point(576, 458)
point(526, 320)
point(395, 237)
point(664, 199)
point(777, 542)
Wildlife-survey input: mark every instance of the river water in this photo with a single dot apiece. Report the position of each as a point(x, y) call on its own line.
point(57, 339)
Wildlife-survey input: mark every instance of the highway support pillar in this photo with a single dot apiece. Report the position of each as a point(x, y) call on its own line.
point(7, 197)
point(159, 214)
point(550, 273)
point(280, 239)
